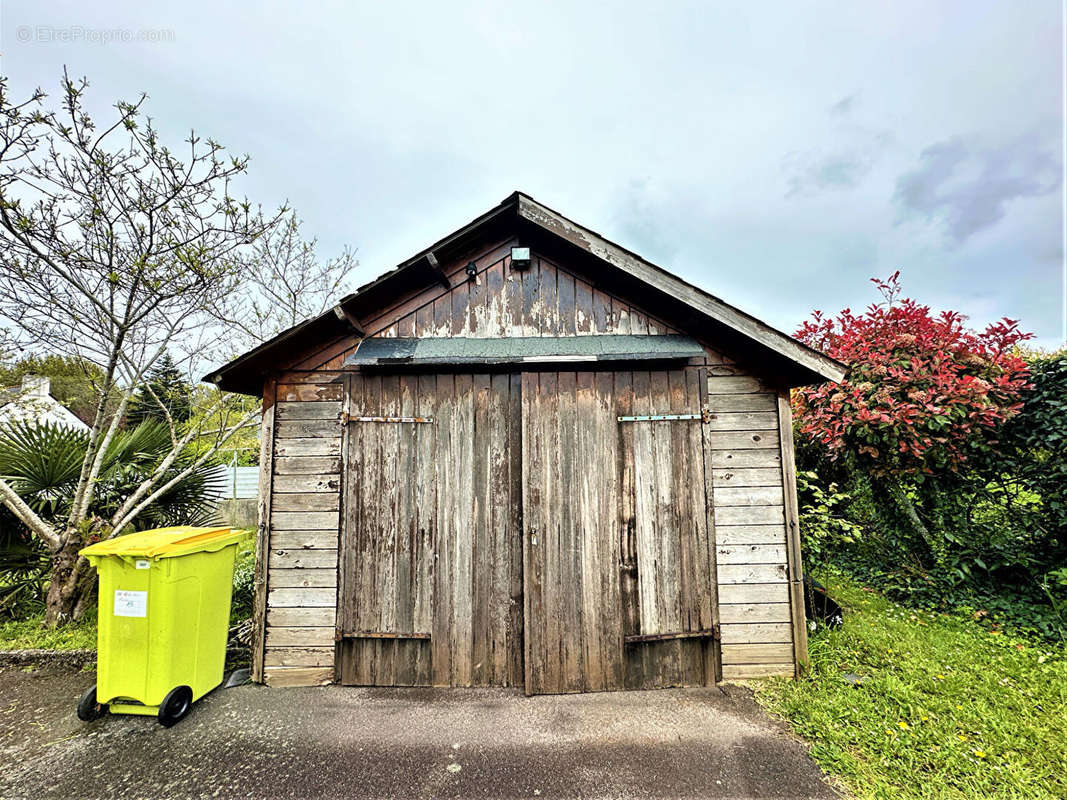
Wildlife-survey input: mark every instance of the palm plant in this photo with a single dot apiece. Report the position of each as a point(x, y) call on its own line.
point(42, 463)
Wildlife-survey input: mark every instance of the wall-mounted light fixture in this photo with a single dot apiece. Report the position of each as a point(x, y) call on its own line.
point(520, 257)
point(472, 270)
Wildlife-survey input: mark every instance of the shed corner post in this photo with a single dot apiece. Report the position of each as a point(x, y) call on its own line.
point(345, 530)
point(263, 503)
point(792, 540)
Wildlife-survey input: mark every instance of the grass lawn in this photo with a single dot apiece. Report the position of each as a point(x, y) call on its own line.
point(946, 709)
point(30, 634)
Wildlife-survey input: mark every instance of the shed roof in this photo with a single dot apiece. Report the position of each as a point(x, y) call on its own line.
point(524, 349)
point(796, 363)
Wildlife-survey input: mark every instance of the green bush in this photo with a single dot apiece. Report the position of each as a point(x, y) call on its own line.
point(824, 528)
point(244, 575)
point(42, 464)
point(990, 535)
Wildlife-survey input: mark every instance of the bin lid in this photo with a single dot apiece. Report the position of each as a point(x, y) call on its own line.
point(166, 542)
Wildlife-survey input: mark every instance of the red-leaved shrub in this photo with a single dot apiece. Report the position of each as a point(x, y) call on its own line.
point(921, 389)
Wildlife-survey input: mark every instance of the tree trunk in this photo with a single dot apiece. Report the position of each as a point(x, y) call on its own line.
point(70, 586)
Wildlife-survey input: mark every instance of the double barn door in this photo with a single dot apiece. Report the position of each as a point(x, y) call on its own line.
point(533, 529)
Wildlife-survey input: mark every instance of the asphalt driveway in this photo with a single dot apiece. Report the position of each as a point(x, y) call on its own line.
point(335, 742)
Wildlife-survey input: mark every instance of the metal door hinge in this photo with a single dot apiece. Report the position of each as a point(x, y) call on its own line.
point(347, 418)
point(659, 417)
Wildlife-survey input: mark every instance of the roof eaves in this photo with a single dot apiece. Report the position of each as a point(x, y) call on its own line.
point(659, 278)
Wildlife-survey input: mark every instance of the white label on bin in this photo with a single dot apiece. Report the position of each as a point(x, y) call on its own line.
point(131, 604)
point(142, 564)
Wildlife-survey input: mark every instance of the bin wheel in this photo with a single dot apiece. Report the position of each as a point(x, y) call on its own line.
point(88, 707)
point(175, 706)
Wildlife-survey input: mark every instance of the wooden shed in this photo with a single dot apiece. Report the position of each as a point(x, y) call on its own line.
point(527, 457)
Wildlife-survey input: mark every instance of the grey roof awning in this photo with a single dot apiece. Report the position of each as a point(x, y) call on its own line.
point(392, 351)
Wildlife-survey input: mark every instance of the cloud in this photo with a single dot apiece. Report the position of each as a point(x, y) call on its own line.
point(844, 105)
point(851, 154)
point(642, 221)
point(812, 174)
point(966, 188)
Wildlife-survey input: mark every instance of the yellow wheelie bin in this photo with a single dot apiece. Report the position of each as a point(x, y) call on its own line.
point(163, 620)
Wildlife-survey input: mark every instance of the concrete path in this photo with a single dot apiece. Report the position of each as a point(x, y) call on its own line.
point(417, 743)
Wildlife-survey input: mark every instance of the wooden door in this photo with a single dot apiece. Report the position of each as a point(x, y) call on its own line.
point(669, 589)
point(618, 547)
point(431, 567)
point(571, 533)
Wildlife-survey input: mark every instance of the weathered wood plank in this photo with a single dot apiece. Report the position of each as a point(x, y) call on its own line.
point(484, 543)
point(303, 520)
point(308, 465)
point(757, 654)
point(298, 676)
point(303, 392)
point(755, 612)
point(441, 643)
point(662, 637)
point(751, 554)
point(303, 559)
point(751, 573)
point(299, 637)
point(709, 617)
point(738, 459)
point(263, 533)
point(421, 635)
point(742, 671)
point(740, 384)
point(603, 444)
point(745, 440)
point(742, 420)
point(317, 482)
point(753, 632)
point(300, 657)
point(750, 534)
point(308, 429)
point(462, 532)
point(729, 477)
point(749, 515)
point(329, 409)
point(306, 501)
point(753, 593)
point(792, 524)
point(309, 447)
point(424, 525)
point(748, 496)
point(302, 598)
point(765, 401)
point(303, 578)
point(301, 617)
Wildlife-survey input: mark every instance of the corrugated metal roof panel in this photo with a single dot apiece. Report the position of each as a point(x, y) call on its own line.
point(522, 349)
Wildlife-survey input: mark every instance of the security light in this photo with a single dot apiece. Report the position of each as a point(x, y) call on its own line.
point(520, 257)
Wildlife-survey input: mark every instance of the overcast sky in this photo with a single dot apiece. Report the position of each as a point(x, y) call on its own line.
point(776, 154)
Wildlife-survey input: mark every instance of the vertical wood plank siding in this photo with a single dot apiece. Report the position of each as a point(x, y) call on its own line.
point(542, 300)
point(617, 542)
point(642, 529)
point(426, 577)
point(303, 505)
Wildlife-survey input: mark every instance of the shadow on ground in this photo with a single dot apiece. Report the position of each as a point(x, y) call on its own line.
point(331, 742)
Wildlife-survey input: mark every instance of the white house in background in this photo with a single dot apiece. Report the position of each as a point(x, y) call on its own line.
point(33, 402)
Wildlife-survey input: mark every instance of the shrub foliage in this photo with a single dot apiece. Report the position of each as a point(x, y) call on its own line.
point(946, 448)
